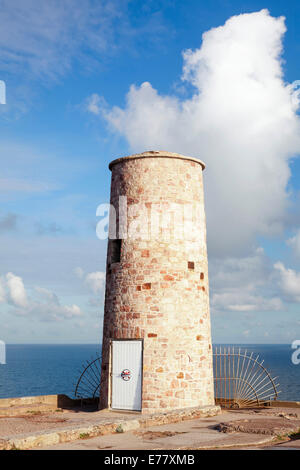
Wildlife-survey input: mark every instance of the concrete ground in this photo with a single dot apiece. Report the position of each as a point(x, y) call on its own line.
point(36, 421)
point(265, 428)
point(198, 434)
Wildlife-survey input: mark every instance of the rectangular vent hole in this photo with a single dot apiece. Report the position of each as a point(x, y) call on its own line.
point(116, 251)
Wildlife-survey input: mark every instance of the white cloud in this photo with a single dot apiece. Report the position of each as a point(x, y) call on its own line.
point(95, 281)
point(244, 284)
point(48, 311)
point(95, 104)
point(2, 292)
point(245, 302)
point(46, 294)
point(45, 38)
point(17, 292)
point(72, 311)
point(47, 35)
point(288, 282)
point(294, 243)
point(250, 271)
point(241, 120)
point(46, 306)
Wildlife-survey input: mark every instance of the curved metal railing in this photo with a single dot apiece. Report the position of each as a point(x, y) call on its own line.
point(241, 380)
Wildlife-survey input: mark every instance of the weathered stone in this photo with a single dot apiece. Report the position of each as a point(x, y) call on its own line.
point(161, 280)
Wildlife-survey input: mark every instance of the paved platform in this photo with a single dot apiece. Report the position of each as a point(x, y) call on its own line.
point(190, 429)
point(188, 435)
point(37, 429)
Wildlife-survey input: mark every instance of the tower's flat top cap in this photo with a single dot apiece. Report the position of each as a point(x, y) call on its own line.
point(155, 154)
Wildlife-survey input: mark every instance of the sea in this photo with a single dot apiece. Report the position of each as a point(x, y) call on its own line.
point(32, 370)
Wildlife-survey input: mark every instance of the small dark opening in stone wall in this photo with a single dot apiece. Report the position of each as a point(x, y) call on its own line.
point(191, 265)
point(116, 251)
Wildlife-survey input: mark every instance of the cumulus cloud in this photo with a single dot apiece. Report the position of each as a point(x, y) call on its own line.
point(46, 294)
point(95, 284)
point(246, 302)
point(17, 292)
point(95, 104)
point(241, 120)
point(44, 304)
point(288, 282)
point(244, 284)
point(53, 312)
point(294, 243)
point(95, 280)
point(2, 292)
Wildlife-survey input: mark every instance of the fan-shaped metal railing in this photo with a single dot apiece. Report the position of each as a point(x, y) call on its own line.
point(241, 379)
point(88, 384)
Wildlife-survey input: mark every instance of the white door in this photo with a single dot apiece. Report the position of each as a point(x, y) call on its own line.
point(127, 375)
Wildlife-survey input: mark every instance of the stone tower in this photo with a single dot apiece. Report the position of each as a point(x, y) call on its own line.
point(156, 330)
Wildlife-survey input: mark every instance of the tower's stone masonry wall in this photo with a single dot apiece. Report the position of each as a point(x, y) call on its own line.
point(159, 290)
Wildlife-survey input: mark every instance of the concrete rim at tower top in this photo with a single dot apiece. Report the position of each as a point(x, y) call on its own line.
point(156, 154)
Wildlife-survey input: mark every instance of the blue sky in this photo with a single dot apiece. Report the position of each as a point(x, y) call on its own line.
point(75, 100)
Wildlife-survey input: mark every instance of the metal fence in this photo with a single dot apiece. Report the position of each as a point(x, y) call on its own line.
point(88, 384)
point(241, 380)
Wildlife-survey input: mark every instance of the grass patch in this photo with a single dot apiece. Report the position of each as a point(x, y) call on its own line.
point(280, 437)
point(14, 447)
point(84, 435)
point(295, 435)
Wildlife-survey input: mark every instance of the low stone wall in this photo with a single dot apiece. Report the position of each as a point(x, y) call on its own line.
point(285, 404)
point(15, 406)
point(48, 399)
